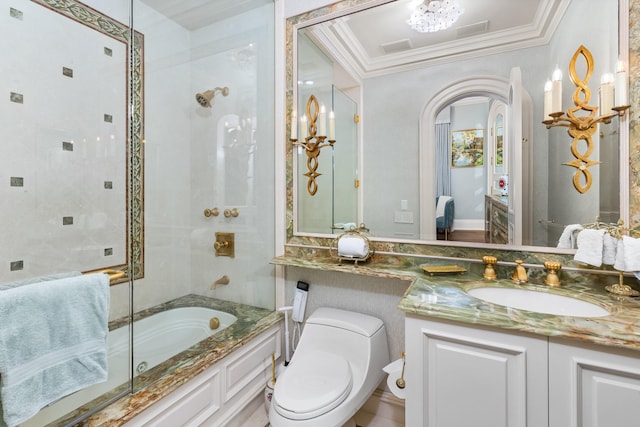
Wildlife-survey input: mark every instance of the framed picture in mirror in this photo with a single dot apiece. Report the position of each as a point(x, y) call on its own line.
point(467, 148)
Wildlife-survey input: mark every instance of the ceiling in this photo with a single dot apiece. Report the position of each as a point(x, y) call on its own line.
point(195, 14)
point(378, 40)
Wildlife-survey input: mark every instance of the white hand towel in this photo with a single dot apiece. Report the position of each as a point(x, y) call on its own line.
point(610, 244)
point(353, 247)
point(568, 237)
point(590, 247)
point(620, 264)
point(631, 253)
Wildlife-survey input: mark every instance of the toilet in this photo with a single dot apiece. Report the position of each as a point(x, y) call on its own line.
point(335, 368)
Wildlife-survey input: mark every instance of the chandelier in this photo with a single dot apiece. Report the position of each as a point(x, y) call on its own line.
point(435, 15)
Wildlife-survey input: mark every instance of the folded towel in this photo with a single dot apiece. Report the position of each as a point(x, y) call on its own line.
point(610, 245)
point(631, 253)
point(53, 342)
point(619, 264)
point(568, 239)
point(442, 201)
point(590, 247)
point(9, 285)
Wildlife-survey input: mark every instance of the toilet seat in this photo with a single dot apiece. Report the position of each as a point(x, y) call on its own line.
point(312, 386)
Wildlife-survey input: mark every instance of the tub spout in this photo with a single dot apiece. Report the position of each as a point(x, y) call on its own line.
point(224, 280)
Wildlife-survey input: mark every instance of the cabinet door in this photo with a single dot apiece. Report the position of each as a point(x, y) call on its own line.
point(593, 386)
point(461, 376)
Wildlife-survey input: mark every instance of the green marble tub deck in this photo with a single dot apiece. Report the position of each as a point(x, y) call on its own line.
point(158, 382)
point(444, 296)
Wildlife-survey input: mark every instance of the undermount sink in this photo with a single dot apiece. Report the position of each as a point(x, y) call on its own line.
point(539, 302)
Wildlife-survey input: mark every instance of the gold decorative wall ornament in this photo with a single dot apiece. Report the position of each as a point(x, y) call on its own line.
point(314, 138)
point(583, 126)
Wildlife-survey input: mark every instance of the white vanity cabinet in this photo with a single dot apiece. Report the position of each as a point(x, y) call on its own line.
point(459, 376)
point(593, 386)
point(465, 375)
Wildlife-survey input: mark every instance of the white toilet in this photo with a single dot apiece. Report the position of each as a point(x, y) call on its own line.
point(335, 368)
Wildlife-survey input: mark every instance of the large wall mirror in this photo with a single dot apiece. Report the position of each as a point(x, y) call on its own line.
point(457, 113)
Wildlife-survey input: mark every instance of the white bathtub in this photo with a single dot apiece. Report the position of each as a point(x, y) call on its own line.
point(156, 339)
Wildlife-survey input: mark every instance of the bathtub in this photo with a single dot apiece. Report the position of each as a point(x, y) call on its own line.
point(157, 338)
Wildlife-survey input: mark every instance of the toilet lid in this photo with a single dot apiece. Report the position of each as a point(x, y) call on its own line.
point(313, 385)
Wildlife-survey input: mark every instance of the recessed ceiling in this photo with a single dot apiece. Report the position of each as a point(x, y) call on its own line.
point(378, 40)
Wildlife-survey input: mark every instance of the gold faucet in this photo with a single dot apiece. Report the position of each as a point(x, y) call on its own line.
point(552, 276)
point(489, 272)
point(224, 280)
point(520, 275)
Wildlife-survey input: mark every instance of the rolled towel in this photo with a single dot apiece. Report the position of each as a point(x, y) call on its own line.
point(610, 245)
point(590, 247)
point(568, 237)
point(353, 247)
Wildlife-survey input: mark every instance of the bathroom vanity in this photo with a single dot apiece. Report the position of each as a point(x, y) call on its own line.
point(478, 363)
point(470, 362)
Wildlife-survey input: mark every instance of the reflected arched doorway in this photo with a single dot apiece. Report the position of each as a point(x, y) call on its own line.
point(503, 96)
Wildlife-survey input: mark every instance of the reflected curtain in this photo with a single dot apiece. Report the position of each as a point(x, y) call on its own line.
point(443, 154)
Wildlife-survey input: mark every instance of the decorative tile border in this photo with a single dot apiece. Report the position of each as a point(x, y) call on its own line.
point(104, 24)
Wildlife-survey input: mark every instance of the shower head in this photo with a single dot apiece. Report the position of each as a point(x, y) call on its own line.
point(204, 98)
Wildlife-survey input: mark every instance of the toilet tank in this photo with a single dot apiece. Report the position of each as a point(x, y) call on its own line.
point(359, 338)
point(361, 324)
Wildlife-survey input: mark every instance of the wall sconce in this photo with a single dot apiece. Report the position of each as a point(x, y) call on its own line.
point(582, 127)
point(314, 137)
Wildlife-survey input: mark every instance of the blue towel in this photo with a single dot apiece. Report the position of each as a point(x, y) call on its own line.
point(53, 342)
point(8, 285)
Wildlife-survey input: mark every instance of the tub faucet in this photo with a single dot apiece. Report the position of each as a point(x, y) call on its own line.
point(520, 275)
point(224, 280)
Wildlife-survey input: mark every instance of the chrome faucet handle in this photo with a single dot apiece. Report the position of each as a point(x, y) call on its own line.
point(552, 276)
point(489, 272)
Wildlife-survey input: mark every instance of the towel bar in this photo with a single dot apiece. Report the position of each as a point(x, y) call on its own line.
point(113, 274)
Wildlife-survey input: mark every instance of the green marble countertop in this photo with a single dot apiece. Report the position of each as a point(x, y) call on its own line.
point(444, 296)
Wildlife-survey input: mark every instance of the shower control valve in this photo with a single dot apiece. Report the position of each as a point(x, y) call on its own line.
point(224, 244)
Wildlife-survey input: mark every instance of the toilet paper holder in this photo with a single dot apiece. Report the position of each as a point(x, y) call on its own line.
point(395, 376)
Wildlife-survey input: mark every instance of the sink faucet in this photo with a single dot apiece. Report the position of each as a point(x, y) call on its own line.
point(552, 276)
point(520, 275)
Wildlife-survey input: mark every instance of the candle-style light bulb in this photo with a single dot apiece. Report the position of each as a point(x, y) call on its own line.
point(548, 93)
point(332, 126)
point(294, 125)
point(606, 94)
point(303, 127)
point(556, 91)
point(322, 128)
point(621, 85)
